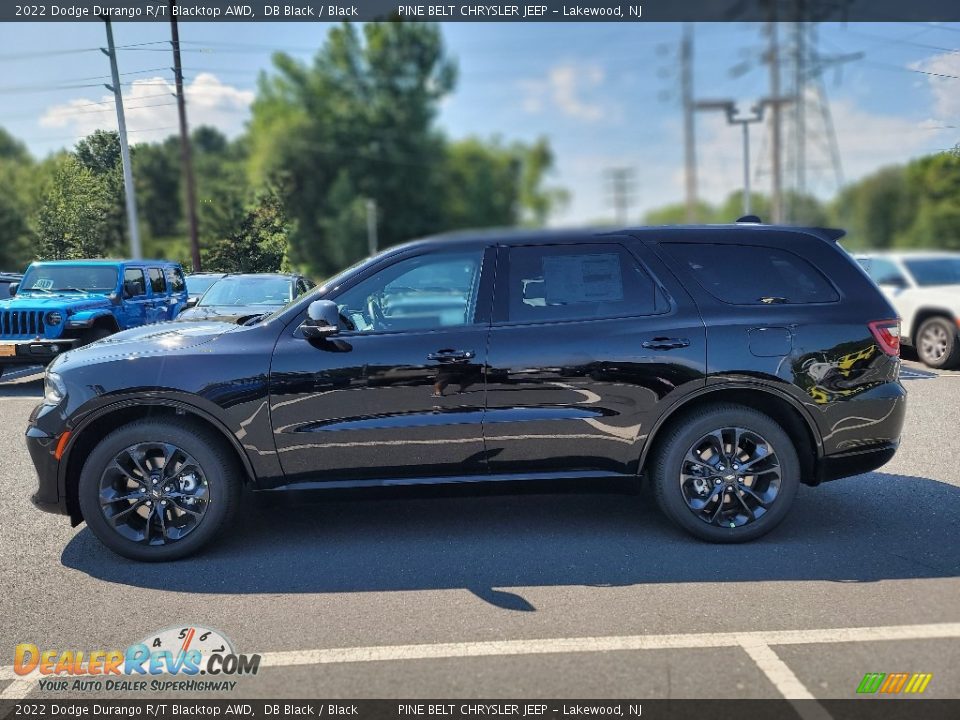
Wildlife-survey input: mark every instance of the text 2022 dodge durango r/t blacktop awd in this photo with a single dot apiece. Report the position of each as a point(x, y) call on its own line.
point(726, 364)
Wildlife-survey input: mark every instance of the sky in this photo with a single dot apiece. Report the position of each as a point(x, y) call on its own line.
point(604, 94)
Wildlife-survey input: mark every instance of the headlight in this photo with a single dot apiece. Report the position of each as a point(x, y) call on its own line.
point(54, 389)
point(54, 318)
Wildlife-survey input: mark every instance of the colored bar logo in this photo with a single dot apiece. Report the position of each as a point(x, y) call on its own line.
point(894, 683)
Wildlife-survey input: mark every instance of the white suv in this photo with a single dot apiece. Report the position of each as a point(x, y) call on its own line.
point(924, 287)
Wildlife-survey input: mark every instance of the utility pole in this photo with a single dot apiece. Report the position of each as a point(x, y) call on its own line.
point(621, 188)
point(186, 160)
point(689, 129)
point(131, 201)
point(776, 126)
point(371, 226)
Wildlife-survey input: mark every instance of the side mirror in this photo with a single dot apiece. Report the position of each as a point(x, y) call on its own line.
point(323, 320)
point(13, 288)
point(191, 302)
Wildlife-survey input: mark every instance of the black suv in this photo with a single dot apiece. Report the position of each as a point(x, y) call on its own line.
point(726, 364)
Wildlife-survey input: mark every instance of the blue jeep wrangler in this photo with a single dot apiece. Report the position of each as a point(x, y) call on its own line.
point(68, 303)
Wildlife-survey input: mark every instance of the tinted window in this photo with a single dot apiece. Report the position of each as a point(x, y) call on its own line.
point(248, 290)
point(883, 272)
point(753, 275)
point(198, 284)
point(420, 293)
point(935, 271)
point(157, 283)
point(133, 282)
point(175, 278)
point(578, 282)
point(70, 277)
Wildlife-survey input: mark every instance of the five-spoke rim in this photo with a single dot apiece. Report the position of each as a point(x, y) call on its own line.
point(154, 493)
point(933, 342)
point(730, 477)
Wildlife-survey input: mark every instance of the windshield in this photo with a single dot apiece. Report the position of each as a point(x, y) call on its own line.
point(198, 284)
point(935, 271)
point(321, 289)
point(248, 291)
point(69, 278)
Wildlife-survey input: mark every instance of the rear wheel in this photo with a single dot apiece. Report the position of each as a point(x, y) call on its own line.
point(937, 343)
point(726, 474)
point(155, 491)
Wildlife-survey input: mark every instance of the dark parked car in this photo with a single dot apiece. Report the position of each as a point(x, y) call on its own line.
point(726, 364)
point(241, 297)
point(198, 284)
point(8, 280)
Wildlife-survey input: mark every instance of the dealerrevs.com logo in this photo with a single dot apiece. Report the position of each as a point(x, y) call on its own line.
point(894, 683)
point(188, 652)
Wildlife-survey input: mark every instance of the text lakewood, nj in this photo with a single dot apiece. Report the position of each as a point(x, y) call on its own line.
point(521, 11)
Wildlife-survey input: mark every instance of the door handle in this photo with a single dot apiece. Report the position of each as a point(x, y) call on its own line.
point(663, 343)
point(452, 356)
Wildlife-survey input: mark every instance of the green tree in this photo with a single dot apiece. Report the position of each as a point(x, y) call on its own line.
point(74, 211)
point(156, 174)
point(16, 170)
point(260, 242)
point(365, 109)
point(99, 153)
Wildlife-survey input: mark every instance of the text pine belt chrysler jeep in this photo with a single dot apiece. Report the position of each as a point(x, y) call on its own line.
point(64, 304)
point(725, 365)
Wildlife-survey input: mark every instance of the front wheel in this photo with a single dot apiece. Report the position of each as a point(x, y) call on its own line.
point(726, 474)
point(937, 343)
point(155, 491)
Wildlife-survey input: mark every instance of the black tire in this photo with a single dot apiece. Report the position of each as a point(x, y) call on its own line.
point(94, 334)
point(721, 488)
point(937, 345)
point(221, 480)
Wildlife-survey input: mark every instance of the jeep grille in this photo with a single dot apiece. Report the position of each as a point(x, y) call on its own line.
point(21, 323)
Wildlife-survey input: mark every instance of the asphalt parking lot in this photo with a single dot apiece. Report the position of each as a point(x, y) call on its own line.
point(531, 595)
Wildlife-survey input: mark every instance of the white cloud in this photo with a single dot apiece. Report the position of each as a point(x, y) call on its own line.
point(944, 70)
point(571, 89)
point(151, 112)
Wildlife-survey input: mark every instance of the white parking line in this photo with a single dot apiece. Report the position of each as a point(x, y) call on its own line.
point(30, 370)
point(756, 644)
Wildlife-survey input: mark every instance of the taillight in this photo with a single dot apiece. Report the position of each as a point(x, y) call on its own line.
point(887, 334)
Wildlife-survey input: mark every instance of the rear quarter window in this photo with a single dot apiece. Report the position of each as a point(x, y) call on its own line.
point(753, 274)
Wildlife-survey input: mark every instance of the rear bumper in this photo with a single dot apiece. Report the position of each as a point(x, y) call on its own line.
point(33, 352)
point(834, 467)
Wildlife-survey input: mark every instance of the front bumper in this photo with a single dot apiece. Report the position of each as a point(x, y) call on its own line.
point(39, 351)
point(42, 448)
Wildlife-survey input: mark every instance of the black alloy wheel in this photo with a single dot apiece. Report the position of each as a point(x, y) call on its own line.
point(725, 473)
point(159, 490)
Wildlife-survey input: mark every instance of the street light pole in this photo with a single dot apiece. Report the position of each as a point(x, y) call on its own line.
point(729, 108)
point(744, 122)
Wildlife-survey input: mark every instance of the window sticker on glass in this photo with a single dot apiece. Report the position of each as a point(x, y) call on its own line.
point(582, 278)
point(43, 284)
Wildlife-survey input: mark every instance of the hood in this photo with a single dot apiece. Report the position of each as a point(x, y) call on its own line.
point(146, 340)
point(56, 301)
point(225, 313)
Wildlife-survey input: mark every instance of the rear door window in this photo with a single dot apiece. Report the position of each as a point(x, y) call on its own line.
point(753, 274)
point(551, 283)
point(134, 283)
point(157, 282)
